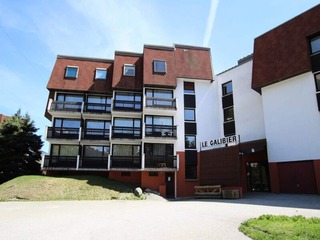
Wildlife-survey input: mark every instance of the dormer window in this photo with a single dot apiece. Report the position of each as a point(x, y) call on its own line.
point(129, 70)
point(101, 74)
point(159, 66)
point(71, 72)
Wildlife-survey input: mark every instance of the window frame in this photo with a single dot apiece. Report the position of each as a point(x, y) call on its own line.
point(67, 76)
point(191, 145)
point(187, 90)
point(125, 70)
point(194, 114)
point(225, 91)
point(162, 69)
point(317, 81)
point(101, 78)
point(317, 40)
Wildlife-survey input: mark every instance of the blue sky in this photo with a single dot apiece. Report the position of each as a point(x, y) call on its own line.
point(32, 33)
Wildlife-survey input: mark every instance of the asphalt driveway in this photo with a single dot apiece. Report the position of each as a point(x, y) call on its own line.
point(150, 219)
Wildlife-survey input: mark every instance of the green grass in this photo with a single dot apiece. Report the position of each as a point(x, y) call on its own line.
point(81, 187)
point(282, 227)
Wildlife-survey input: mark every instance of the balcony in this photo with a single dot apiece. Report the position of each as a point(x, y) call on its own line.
point(130, 162)
point(96, 134)
point(166, 103)
point(160, 131)
point(94, 162)
point(126, 132)
point(60, 162)
point(125, 105)
point(160, 161)
point(63, 133)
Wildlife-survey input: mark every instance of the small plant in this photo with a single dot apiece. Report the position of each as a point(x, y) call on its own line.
point(282, 227)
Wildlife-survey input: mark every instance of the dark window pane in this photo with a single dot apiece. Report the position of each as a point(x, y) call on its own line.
point(190, 141)
point(190, 101)
point(227, 88)
point(317, 77)
point(315, 44)
point(188, 87)
point(228, 114)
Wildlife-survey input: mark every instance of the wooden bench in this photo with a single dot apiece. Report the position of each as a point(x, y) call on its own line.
point(209, 191)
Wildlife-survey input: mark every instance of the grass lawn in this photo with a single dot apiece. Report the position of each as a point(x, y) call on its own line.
point(282, 227)
point(80, 187)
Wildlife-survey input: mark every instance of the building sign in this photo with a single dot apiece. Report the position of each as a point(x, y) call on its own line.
point(220, 141)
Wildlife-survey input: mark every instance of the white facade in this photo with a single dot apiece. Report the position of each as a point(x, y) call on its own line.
point(292, 119)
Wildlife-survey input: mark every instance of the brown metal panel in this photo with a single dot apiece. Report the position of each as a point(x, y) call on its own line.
point(297, 177)
point(284, 51)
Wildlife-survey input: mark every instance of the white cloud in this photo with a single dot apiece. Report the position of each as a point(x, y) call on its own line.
point(210, 22)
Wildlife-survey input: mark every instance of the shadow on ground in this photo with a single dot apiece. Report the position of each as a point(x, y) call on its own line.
point(307, 201)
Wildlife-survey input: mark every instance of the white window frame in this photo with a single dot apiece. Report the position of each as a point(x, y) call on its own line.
point(129, 73)
point(66, 72)
point(99, 78)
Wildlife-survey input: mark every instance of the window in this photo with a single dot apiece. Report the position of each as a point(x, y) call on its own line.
point(157, 93)
point(129, 70)
point(127, 101)
point(66, 123)
point(189, 115)
point(228, 114)
point(315, 44)
point(98, 104)
point(190, 142)
point(159, 66)
point(101, 74)
point(96, 151)
point(191, 164)
point(127, 128)
point(188, 88)
point(71, 72)
point(64, 150)
point(317, 77)
point(126, 150)
point(69, 98)
point(159, 120)
point(227, 88)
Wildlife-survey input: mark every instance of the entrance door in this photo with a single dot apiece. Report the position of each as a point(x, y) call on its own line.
point(258, 180)
point(170, 184)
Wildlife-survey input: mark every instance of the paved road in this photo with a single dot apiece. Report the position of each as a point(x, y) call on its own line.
point(151, 219)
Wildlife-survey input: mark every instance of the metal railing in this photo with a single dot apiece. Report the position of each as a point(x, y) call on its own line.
point(96, 133)
point(94, 162)
point(125, 162)
point(161, 102)
point(160, 161)
point(66, 106)
point(60, 161)
point(161, 131)
point(97, 108)
point(63, 133)
point(126, 132)
point(125, 105)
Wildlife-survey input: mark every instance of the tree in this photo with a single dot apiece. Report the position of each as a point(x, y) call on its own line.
point(20, 147)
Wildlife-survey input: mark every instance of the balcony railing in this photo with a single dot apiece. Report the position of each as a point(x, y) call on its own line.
point(94, 162)
point(126, 132)
point(66, 106)
point(125, 162)
point(96, 134)
point(63, 133)
point(124, 105)
point(60, 161)
point(97, 108)
point(160, 161)
point(160, 131)
point(161, 102)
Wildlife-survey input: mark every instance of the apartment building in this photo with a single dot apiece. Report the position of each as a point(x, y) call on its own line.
point(161, 119)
